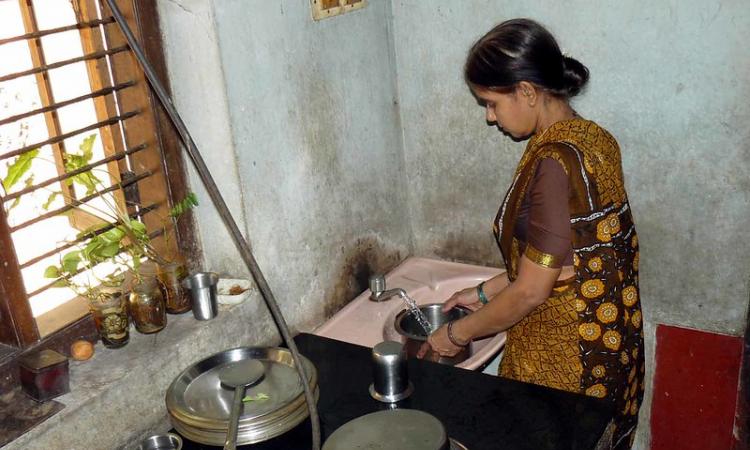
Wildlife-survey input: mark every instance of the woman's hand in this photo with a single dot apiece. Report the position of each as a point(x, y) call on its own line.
point(439, 343)
point(467, 297)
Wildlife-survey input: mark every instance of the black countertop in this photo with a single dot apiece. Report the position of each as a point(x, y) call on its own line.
point(481, 411)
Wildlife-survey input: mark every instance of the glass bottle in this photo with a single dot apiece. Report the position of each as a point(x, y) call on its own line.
point(146, 303)
point(171, 276)
point(109, 309)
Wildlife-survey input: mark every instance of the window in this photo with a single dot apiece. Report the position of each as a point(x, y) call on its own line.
point(328, 8)
point(79, 129)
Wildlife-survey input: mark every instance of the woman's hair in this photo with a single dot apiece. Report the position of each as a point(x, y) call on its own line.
point(523, 50)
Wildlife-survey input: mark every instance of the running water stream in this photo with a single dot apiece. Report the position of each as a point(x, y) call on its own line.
point(418, 314)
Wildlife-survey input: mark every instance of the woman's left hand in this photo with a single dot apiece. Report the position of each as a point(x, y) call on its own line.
point(439, 343)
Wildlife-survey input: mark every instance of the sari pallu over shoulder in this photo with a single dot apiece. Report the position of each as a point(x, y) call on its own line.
point(590, 327)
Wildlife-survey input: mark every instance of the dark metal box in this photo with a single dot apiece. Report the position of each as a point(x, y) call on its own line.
point(44, 375)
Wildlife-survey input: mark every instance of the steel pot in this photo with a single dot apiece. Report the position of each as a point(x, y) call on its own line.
point(413, 336)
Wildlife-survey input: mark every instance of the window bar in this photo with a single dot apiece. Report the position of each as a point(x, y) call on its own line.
point(116, 156)
point(44, 87)
point(55, 106)
point(78, 26)
point(152, 235)
point(48, 67)
point(116, 104)
point(62, 137)
point(77, 202)
point(104, 229)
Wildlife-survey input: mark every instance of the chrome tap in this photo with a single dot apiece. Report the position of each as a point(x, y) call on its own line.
point(378, 291)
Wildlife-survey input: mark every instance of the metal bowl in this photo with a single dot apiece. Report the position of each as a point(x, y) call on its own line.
point(169, 441)
point(413, 336)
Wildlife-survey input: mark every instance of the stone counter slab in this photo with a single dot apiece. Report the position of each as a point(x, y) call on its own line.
point(479, 410)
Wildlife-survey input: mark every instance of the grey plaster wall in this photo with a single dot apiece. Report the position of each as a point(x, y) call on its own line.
point(300, 124)
point(347, 144)
point(669, 79)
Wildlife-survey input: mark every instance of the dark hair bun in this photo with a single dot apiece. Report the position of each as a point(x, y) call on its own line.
point(523, 50)
point(575, 75)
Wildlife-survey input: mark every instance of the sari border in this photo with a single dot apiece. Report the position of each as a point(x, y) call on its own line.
point(543, 259)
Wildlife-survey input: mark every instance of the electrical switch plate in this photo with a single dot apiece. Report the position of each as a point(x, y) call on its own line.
point(322, 9)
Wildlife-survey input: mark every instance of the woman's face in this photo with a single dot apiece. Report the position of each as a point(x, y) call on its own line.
point(511, 112)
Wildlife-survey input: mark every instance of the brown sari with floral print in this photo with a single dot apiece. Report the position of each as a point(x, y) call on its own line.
point(587, 337)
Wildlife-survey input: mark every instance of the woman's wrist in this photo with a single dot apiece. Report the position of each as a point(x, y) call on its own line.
point(481, 295)
point(454, 337)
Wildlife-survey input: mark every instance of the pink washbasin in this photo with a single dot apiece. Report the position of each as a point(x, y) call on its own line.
point(367, 323)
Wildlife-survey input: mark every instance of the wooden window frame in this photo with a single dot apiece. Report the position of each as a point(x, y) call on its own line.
point(19, 333)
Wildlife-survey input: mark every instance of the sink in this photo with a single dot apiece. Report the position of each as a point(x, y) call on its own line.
point(368, 323)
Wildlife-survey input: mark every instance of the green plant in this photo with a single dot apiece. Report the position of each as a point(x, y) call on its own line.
point(121, 239)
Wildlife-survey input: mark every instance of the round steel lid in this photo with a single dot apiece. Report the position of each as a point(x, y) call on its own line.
point(198, 399)
point(398, 429)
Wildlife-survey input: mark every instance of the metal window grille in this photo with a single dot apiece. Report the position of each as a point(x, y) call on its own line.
point(128, 160)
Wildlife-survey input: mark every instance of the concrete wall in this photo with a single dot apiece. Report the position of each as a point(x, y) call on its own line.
point(669, 79)
point(345, 145)
point(299, 123)
point(670, 83)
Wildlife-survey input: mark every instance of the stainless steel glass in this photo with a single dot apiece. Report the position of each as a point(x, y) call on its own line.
point(169, 441)
point(202, 287)
point(390, 376)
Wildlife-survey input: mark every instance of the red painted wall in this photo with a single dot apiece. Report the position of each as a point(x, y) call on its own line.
point(695, 389)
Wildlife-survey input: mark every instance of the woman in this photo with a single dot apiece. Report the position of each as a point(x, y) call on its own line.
point(569, 300)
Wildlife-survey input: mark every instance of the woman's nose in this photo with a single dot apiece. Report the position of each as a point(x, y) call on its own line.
point(490, 114)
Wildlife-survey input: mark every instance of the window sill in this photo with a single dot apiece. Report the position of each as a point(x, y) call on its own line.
point(117, 397)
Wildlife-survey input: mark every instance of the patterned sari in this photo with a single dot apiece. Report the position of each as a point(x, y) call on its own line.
point(587, 337)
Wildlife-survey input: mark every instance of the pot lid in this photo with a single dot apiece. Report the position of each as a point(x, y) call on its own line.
point(398, 429)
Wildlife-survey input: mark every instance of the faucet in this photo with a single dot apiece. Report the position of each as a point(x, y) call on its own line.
point(378, 291)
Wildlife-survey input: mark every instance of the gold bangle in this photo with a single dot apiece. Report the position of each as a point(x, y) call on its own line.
point(452, 338)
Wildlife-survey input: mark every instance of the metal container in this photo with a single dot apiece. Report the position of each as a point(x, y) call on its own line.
point(169, 441)
point(390, 377)
point(199, 407)
point(44, 375)
point(203, 296)
point(398, 429)
point(413, 336)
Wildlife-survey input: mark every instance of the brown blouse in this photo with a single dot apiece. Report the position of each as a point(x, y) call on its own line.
point(544, 219)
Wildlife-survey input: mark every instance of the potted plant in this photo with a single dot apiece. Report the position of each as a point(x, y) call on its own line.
point(123, 242)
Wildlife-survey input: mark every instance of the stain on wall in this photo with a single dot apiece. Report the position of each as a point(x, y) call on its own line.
point(365, 258)
point(669, 79)
point(314, 150)
point(332, 136)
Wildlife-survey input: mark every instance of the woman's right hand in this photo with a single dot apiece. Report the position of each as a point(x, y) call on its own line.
point(467, 297)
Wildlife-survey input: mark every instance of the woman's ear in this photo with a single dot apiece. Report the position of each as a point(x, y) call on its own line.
point(528, 92)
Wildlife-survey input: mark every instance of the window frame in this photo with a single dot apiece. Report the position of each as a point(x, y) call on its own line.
point(19, 333)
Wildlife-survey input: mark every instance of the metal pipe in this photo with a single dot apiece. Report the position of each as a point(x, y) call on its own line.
point(226, 215)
